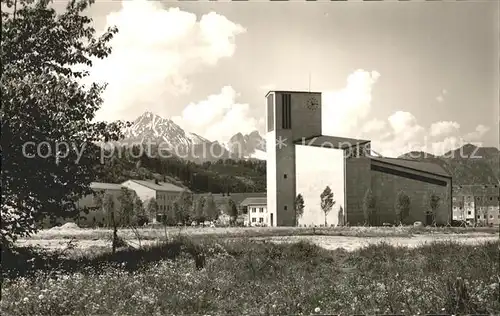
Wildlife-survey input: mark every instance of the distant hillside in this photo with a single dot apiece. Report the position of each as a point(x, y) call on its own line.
point(468, 164)
point(217, 177)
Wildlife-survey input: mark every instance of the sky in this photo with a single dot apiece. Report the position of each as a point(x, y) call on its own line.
point(408, 76)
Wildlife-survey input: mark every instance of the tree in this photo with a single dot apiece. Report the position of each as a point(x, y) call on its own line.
point(46, 106)
point(327, 202)
point(299, 208)
point(232, 210)
point(139, 212)
point(152, 208)
point(368, 207)
point(340, 217)
point(185, 205)
point(109, 207)
point(402, 207)
point(431, 204)
point(126, 214)
point(199, 208)
point(210, 208)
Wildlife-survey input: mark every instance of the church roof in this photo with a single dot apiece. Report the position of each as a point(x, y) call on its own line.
point(331, 142)
point(427, 167)
point(291, 92)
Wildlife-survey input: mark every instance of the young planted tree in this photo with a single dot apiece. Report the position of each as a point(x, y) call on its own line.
point(139, 212)
point(210, 209)
point(199, 208)
point(45, 105)
point(109, 207)
point(299, 208)
point(185, 206)
point(178, 213)
point(368, 207)
point(152, 208)
point(340, 217)
point(402, 206)
point(327, 202)
point(126, 214)
point(431, 205)
point(232, 210)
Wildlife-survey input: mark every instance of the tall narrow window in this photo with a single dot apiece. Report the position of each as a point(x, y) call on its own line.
point(270, 112)
point(286, 111)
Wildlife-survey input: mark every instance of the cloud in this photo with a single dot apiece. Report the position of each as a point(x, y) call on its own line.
point(343, 110)
point(218, 117)
point(479, 132)
point(440, 97)
point(154, 54)
point(444, 128)
point(374, 126)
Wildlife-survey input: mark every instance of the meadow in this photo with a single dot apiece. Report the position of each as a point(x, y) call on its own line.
point(203, 275)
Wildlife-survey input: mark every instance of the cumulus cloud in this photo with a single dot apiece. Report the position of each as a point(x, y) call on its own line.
point(344, 109)
point(155, 53)
point(477, 134)
point(444, 128)
point(403, 134)
point(218, 117)
point(347, 113)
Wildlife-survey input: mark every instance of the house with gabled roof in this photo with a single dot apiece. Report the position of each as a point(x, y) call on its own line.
point(257, 215)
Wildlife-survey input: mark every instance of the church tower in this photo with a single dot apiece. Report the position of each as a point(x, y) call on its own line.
point(291, 118)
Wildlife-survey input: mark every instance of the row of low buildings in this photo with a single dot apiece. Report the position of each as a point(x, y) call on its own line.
point(251, 206)
point(477, 204)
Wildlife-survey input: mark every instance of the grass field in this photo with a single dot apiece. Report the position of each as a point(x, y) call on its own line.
point(213, 276)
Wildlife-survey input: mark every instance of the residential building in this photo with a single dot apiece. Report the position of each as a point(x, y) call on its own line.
point(463, 204)
point(99, 217)
point(164, 193)
point(481, 203)
point(257, 212)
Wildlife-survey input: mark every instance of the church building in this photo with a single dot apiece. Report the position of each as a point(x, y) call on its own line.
point(301, 160)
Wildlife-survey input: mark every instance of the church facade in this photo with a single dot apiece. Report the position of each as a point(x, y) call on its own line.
point(301, 160)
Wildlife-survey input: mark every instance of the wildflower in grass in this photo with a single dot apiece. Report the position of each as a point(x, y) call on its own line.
point(317, 310)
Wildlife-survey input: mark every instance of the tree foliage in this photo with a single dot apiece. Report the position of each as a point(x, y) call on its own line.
point(402, 206)
point(210, 209)
point(184, 205)
point(340, 217)
point(126, 213)
point(46, 106)
point(232, 210)
point(216, 177)
point(152, 208)
point(368, 207)
point(141, 217)
point(199, 210)
point(327, 202)
point(299, 208)
point(431, 204)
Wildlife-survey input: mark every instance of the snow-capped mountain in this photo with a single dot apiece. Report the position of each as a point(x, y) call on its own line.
point(161, 131)
point(156, 130)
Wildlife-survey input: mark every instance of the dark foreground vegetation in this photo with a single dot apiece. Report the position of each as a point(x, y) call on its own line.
point(213, 276)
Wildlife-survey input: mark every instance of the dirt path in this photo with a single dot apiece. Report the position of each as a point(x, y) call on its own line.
point(327, 242)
